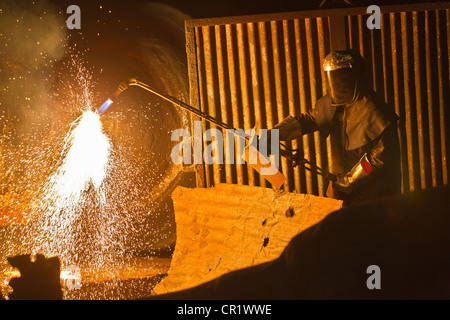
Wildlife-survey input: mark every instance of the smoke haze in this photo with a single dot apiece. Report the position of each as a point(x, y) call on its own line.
point(33, 39)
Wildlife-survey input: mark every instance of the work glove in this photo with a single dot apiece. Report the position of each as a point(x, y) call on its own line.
point(361, 172)
point(288, 129)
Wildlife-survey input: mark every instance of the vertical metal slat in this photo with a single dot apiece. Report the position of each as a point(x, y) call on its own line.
point(323, 160)
point(201, 82)
point(312, 79)
point(279, 91)
point(430, 102)
point(418, 92)
point(255, 83)
point(223, 100)
point(211, 99)
point(245, 103)
point(407, 100)
point(290, 92)
point(302, 94)
point(232, 67)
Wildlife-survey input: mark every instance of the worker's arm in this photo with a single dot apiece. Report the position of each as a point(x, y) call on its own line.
point(289, 129)
point(307, 122)
point(317, 119)
point(378, 160)
point(293, 127)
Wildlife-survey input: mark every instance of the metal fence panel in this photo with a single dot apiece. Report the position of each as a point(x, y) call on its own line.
point(256, 70)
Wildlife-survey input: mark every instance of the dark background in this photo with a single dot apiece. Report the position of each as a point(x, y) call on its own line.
point(221, 8)
point(217, 8)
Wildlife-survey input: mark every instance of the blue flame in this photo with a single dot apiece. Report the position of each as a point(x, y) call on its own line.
point(102, 109)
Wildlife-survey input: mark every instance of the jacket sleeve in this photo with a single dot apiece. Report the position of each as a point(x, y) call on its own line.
point(307, 122)
point(319, 118)
point(384, 152)
point(381, 158)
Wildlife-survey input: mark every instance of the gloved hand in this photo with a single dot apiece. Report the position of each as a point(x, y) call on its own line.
point(287, 130)
point(360, 173)
point(342, 184)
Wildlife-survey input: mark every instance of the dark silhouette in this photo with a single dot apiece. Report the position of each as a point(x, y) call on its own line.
point(39, 280)
point(406, 236)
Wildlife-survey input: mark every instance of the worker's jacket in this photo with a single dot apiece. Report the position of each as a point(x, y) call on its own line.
point(364, 126)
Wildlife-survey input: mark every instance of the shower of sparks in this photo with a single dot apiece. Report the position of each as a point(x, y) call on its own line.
point(79, 178)
point(89, 201)
point(76, 194)
point(86, 161)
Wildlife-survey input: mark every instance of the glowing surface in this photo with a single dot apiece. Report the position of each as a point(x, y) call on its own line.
point(85, 163)
point(100, 218)
point(78, 179)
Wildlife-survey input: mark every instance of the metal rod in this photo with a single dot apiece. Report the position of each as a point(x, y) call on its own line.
point(296, 157)
point(181, 104)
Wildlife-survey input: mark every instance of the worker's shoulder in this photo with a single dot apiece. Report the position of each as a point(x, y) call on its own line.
point(323, 113)
point(372, 104)
point(323, 105)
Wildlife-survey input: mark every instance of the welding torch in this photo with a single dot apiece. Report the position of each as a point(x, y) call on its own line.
point(296, 156)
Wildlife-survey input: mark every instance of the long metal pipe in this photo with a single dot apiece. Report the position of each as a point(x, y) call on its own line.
point(134, 82)
point(296, 157)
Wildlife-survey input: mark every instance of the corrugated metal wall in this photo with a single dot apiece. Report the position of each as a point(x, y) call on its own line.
point(258, 69)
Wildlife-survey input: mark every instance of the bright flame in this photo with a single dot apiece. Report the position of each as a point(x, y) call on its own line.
point(69, 275)
point(85, 165)
point(87, 158)
point(86, 161)
point(102, 109)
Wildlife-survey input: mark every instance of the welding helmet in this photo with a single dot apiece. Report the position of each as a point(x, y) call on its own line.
point(341, 74)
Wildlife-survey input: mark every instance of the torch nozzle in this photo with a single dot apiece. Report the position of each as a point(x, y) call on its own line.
point(124, 86)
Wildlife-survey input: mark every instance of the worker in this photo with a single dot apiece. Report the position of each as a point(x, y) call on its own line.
point(365, 148)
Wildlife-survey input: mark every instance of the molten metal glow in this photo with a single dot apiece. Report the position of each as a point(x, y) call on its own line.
point(85, 162)
point(80, 176)
point(88, 200)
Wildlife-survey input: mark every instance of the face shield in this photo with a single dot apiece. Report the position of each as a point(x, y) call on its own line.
point(340, 76)
point(341, 85)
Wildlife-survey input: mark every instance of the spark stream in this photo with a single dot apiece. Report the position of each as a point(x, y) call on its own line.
point(214, 152)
